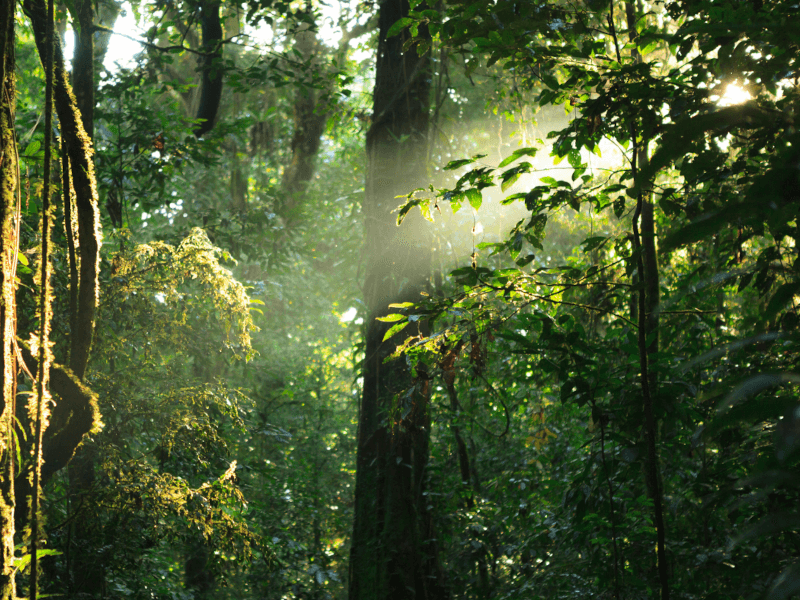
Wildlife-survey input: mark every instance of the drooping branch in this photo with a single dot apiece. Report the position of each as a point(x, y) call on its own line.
point(74, 414)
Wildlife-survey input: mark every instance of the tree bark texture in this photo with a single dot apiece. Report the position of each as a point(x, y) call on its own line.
point(210, 67)
point(79, 149)
point(83, 64)
point(644, 242)
point(393, 552)
point(8, 255)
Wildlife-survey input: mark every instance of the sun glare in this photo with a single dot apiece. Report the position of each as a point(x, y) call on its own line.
point(734, 94)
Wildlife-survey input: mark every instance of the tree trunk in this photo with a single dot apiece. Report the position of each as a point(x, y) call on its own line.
point(8, 253)
point(309, 125)
point(83, 64)
point(393, 554)
point(210, 67)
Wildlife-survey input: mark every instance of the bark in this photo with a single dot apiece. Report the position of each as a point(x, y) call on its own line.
point(393, 552)
point(75, 413)
point(8, 255)
point(79, 149)
point(83, 64)
point(211, 67)
point(644, 241)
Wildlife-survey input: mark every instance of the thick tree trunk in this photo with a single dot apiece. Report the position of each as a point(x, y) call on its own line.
point(8, 255)
point(210, 66)
point(76, 409)
point(83, 64)
point(79, 149)
point(393, 552)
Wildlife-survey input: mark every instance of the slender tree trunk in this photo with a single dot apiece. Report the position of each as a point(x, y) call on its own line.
point(309, 125)
point(648, 301)
point(393, 553)
point(8, 255)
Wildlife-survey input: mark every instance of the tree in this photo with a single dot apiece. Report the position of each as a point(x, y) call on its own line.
point(8, 237)
point(394, 552)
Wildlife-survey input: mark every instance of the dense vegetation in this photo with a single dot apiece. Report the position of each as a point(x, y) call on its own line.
point(477, 299)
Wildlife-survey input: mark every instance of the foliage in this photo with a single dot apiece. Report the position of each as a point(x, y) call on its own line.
point(228, 376)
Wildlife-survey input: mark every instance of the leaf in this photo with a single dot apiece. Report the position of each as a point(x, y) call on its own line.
point(509, 180)
point(21, 562)
point(394, 329)
point(391, 318)
point(754, 385)
point(574, 202)
point(475, 198)
point(675, 140)
point(457, 164)
point(593, 242)
point(33, 148)
point(517, 154)
point(401, 214)
point(401, 305)
point(399, 26)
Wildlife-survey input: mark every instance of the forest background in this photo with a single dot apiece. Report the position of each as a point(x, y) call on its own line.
point(235, 368)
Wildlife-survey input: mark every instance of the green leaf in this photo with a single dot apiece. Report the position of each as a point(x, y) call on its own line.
point(475, 198)
point(401, 305)
point(619, 207)
point(517, 154)
point(394, 329)
point(401, 214)
point(399, 26)
point(391, 318)
point(509, 181)
point(457, 164)
point(22, 562)
point(33, 148)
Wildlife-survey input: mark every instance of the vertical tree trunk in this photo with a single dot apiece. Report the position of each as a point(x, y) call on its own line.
point(75, 117)
point(393, 554)
point(309, 125)
point(210, 66)
point(83, 64)
point(644, 242)
point(8, 255)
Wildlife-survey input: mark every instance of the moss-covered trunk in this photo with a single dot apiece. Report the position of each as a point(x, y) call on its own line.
point(393, 552)
point(8, 251)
